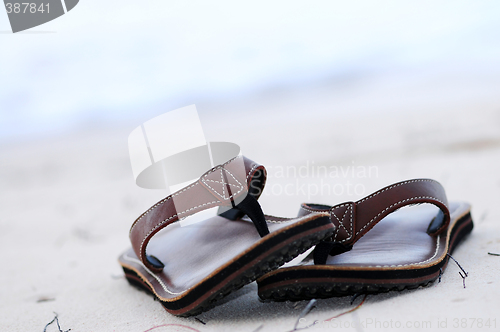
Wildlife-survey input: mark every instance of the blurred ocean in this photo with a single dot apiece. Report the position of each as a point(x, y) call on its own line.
point(112, 61)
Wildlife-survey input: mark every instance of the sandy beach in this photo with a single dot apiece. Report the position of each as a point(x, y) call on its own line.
point(68, 201)
point(335, 99)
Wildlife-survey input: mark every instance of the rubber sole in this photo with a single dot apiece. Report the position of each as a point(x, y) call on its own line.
point(273, 260)
point(292, 287)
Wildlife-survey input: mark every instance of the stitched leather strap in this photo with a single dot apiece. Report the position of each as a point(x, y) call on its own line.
point(226, 186)
point(354, 219)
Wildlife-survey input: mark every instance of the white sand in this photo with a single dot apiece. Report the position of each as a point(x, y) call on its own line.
point(67, 204)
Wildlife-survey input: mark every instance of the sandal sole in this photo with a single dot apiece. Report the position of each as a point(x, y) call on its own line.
point(346, 282)
point(256, 263)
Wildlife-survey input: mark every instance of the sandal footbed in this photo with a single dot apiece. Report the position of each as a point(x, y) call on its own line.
point(231, 254)
point(362, 270)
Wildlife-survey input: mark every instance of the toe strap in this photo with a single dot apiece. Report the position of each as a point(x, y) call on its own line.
point(354, 219)
point(227, 185)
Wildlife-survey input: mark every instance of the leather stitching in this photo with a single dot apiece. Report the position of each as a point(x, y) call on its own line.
point(340, 223)
point(160, 203)
point(422, 262)
point(393, 186)
point(183, 190)
point(251, 170)
point(170, 218)
point(235, 179)
point(368, 198)
point(180, 213)
point(175, 194)
point(269, 221)
point(402, 201)
point(223, 196)
point(127, 257)
point(165, 288)
point(349, 208)
point(230, 184)
point(278, 221)
point(223, 183)
point(312, 211)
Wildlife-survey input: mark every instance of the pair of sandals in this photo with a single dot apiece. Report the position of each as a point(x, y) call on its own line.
point(189, 268)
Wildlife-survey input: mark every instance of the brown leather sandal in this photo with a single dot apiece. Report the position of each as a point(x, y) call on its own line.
point(189, 268)
point(407, 248)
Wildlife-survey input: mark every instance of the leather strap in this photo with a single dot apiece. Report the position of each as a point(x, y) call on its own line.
point(354, 219)
point(226, 185)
